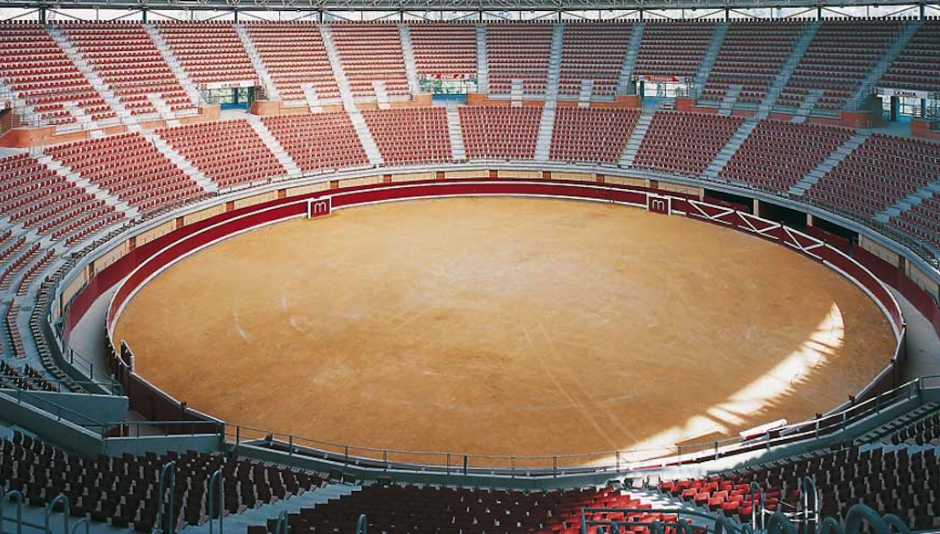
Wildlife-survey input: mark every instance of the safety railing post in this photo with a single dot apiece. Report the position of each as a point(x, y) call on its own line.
point(168, 472)
point(362, 525)
point(617, 456)
point(17, 497)
point(554, 466)
point(281, 526)
point(216, 506)
point(385, 458)
point(757, 510)
point(346, 455)
point(465, 462)
point(82, 521)
point(65, 513)
point(290, 445)
point(448, 464)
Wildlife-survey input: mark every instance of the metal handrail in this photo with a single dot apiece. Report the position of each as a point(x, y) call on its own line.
point(454, 463)
point(83, 521)
point(168, 471)
point(219, 506)
point(809, 499)
point(17, 497)
point(757, 510)
point(779, 523)
point(281, 526)
point(63, 498)
point(21, 393)
point(721, 523)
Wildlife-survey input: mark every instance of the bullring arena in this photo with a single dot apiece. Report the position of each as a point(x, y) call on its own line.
point(487, 267)
point(510, 327)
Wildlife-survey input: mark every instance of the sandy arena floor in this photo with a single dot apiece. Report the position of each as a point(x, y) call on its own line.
point(504, 326)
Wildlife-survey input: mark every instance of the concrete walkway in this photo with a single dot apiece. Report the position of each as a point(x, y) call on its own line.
point(923, 346)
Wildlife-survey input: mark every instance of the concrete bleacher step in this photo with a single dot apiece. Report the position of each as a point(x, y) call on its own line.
point(726, 107)
point(483, 65)
point(83, 183)
point(103, 89)
point(664, 500)
point(336, 65)
point(365, 137)
point(543, 142)
point(584, 93)
point(731, 147)
point(84, 120)
point(834, 159)
point(554, 63)
point(270, 88)
point(195, 96)
point(636, 139)
point(878, 70)
point(807, 106)
point(455, 132)
point(258, 516)
point(909, 201)
point(311, 98)
point(516, 93)
point(6, 151)
point(163, 109)
point(21, 107)
point(625, 79)
point(788, 67)
point(182, 163)
point(285, 159)
point(408, 52)
point(711, 54)
point(381, 95)
point(874, 436)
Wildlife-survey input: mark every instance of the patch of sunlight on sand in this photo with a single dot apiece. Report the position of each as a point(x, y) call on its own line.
point(737, 411)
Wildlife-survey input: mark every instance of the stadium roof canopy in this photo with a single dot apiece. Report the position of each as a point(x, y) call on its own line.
point(489, 6)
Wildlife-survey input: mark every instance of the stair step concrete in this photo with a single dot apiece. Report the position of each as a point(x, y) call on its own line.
point(411, 66)
point(182, 163)
point(629, 59)
point(636, 139)
point(838, 156)
point(239, 523)
point(731, 147)
point(77, 180)
point(286, 161)
point(483, 68)
point(270, 88)
point(169, 57)
point(336, 64)
point(457, 150)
